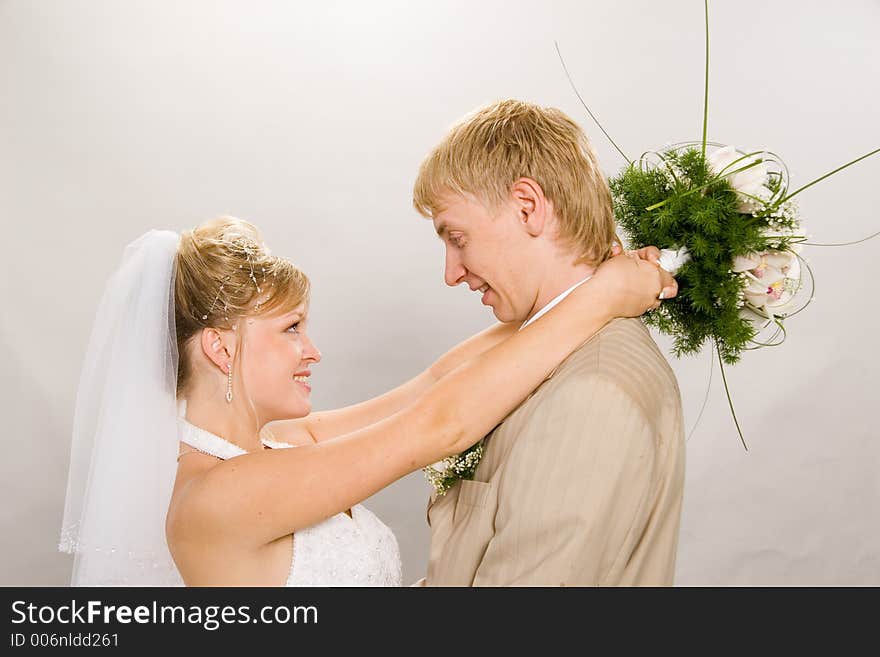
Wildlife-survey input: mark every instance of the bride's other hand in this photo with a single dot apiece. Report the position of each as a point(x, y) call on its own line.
point(633, 282)
point(652, 254)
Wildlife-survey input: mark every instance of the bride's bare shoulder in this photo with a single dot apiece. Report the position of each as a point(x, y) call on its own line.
point(209, 544)
point(195, 512)
point(209, 501)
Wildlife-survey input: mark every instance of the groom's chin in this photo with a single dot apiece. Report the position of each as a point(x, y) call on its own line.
point(503, 315)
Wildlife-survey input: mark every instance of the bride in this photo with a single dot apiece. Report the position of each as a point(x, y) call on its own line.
point(200, 341)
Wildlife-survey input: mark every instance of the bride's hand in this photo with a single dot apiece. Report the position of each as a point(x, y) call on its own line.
point(652, 254)
point(633, 282)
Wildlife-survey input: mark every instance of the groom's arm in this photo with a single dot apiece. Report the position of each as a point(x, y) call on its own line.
point(324, 425)
point(576, 489)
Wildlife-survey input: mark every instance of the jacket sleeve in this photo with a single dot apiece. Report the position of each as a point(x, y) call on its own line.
point(575, 493)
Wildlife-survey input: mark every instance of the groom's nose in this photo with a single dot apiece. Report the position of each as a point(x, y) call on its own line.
point(455, 271)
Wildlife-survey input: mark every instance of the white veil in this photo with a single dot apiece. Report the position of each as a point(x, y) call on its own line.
point(124, 448)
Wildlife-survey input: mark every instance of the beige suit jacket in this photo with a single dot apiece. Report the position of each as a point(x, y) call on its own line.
point(581, 485)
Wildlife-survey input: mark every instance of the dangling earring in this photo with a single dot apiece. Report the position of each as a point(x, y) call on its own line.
point(229, 383)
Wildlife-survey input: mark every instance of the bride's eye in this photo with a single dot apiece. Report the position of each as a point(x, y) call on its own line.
point(294, 328)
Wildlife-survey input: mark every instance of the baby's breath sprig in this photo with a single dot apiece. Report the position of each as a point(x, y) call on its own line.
point(445, 473)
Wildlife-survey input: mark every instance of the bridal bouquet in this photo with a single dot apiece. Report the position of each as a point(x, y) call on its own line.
point(730, 231)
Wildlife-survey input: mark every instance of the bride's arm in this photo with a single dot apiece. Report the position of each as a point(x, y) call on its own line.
point(324, 425)
point(256, 498)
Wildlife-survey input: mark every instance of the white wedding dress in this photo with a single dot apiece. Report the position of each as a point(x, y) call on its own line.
point(340, 551)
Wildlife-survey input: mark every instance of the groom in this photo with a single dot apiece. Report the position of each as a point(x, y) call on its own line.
point(582, 484)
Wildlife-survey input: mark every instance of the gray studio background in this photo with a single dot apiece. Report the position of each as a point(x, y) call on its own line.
point(310, 119)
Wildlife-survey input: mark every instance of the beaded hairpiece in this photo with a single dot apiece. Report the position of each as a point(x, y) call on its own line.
point(250, 249)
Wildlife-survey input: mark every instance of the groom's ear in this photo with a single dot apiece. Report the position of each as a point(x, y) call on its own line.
point(532, 206)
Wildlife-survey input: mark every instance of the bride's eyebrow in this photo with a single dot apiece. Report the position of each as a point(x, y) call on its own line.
point(289, 317)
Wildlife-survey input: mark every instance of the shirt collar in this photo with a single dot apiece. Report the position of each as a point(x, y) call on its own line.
point(553, 302)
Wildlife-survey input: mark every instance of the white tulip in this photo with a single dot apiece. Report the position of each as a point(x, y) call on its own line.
point(747, 184)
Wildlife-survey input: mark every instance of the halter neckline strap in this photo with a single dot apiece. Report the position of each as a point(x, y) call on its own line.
point(207, 442)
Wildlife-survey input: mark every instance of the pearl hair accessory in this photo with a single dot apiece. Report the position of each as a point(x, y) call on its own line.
point(216, 298)
point(249, 248)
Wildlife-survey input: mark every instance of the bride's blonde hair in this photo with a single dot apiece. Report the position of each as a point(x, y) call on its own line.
point(223, 273)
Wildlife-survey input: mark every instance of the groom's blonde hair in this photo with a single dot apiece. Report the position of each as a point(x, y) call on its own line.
point(488, 150)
